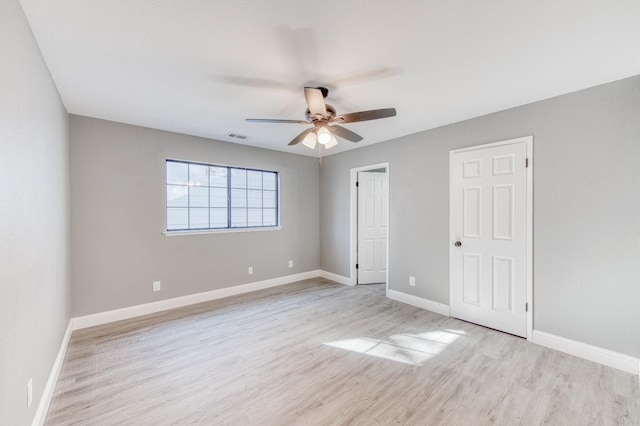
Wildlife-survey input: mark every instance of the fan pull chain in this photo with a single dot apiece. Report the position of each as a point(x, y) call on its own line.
point(320, 150)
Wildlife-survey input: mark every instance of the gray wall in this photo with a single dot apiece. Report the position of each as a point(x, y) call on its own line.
point(118, 214)
point(586, 209)
point(34, 224)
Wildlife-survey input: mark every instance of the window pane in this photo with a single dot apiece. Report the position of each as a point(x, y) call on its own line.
point(269, 217)
point(269, 181)
point(269, 199)
point(198, 196)
point(198, 218)
point(254, 179)
point(177, 173)
point(177, 218)
point(254, 198)
point(177, 196)
point(218, 197)
point(205, 196)
point(238, 198)
point(238, 217)
point(218, 176)
point(198, 175)
point(254, 217)
point(238, 178)
point(218, 218)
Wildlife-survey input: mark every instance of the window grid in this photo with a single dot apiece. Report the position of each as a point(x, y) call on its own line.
point(190, 183)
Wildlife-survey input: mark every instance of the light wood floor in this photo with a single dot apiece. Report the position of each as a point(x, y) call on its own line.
point(316, 352)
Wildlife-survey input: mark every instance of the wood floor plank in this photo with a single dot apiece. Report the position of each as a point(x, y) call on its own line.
point(319, 353)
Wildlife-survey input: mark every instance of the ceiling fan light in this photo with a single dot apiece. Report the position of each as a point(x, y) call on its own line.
point(324, 136)
point(310, 140)
point(333, 142)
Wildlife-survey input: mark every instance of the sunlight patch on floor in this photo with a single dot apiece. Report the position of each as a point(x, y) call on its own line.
point(413, 349)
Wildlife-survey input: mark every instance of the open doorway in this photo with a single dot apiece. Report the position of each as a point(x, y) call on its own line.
point(370, 225)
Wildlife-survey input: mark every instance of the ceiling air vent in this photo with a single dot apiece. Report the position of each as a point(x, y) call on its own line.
point(237, 136)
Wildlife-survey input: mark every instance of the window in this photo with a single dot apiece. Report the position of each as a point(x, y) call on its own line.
point(206, 196)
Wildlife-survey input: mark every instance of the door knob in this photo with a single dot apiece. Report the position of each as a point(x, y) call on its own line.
point(457, 244)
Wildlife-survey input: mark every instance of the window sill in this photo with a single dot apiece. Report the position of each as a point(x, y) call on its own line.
point(219, 231)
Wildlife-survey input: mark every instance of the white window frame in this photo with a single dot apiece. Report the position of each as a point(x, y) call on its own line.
point(229, 228)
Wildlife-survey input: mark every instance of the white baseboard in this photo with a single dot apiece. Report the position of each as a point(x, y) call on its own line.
point(592, 353)
point(178, 302)
point(335, 277)
point(50, 387)
point(419, 302)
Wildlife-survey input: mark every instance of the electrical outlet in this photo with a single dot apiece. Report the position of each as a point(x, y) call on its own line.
point(250, 270)
point(29, 393)
point(291, 264)
point(157, 286)
point(412, 281)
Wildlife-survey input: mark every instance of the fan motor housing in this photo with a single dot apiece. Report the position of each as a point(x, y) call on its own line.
point(331, 112)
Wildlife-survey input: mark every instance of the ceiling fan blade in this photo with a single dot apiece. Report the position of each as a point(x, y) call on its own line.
point(373, 114)
point(301, 136)
point(274, 120)
point(315, 101)
point(258, 82)
point(362, 77)
point(345, 133)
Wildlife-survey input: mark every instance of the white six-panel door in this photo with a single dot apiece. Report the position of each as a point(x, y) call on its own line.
point(488, 236)
point(373, 196)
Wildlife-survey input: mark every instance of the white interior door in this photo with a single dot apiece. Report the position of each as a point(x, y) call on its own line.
point(373, 196)
point(488, 254)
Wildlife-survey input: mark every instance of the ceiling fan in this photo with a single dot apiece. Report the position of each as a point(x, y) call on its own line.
point(325, 121)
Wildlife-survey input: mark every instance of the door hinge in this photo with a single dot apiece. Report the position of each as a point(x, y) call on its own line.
point(526, 163)
point(526, 307)
point(356, 266)
point(357, 183)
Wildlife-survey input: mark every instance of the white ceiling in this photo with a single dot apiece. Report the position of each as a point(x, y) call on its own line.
point(201, 67)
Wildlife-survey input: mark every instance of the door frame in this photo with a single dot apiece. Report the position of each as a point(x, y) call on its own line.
point(529, 258)
point(353, 224)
